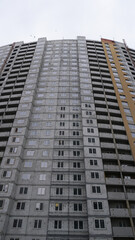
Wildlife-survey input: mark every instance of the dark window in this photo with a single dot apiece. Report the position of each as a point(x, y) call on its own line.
point(17, 223)
point(97, 205)
point(58, 207)
point(37, 223)
point(78, 224)
point(57, 224)
point(96, 189)
point(78, 207)
point(20, 205)
point(23, 190)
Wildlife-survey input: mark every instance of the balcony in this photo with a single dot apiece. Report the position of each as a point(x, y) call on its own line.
point(119, 212)
point(133, 212)
point(131, 196)
point(105, 135)
point(109, 156)
point(116, 195)
point(127, 168)
point(125, 157)
point(111, 167)
point(122, 232)
point(4, 134)
point(107, 145)
point(1, 154)
point(123, 146)
point(3, 144)
point(113, 181)
point(130, 182)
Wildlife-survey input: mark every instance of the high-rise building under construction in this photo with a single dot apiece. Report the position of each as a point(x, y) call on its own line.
point(67, 140)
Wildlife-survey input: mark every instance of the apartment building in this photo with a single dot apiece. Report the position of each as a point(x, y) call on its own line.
point(67, 140)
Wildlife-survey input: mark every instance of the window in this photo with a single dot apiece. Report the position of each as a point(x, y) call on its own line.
point(129, 118)
point(78, 207)
point(77, 191)
point(59, 176)
point(133, 135)
point(78, 224)
point(20, 206)
point(32, 142)
point(122, 96)
point(20, 121)
point(23, 113)
point(23, 190)
point(14, 238)
point(77, 177)
point(91, 140)
point(60, 164)
point(59, 191)
point(92, 150)
point(30, 153)
point(125, 104)
point(7, 174)
point(87, 98)
point(13, 150)
point(76, 143)
point(90, 130)
point(41, 191)
point(127, 110)
point(37, 223)
point(62, 124)
point(89, 121)
point(88, 113)
point(42, 177)
point(93, 162)
point(94, 175)
point(75, 102)
point(60, 153)
point(10, 161)
point(97, 205)
point(48, 124)
point(76, 165)
point(45, 153)
point(3, 188)
point(49, 116)
point(96, 189)
point(87, 105)
point(26, 176)
point(76, 153)
point(75, 115)
point(43, 164)
point(62, 108)
point(75, 95)
point(131, 126)
point(27, 164)
point(75, 124)
point(39, 206)
point(1, 203)
point(62, 115)
point(16, 139)
point(34, 124)
point(99, 223)
point(75, 133)
point(58, 207)
point(57, 224)
point(61, 132)
point(61, 142)
point(17, 223)
point(75, 108)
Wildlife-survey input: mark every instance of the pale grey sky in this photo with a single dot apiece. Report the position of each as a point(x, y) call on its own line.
point(27, 20)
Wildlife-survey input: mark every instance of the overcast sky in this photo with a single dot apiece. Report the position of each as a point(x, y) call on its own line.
point(28, 20)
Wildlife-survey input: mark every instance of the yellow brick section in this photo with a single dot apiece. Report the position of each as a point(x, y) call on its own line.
point(126, 91)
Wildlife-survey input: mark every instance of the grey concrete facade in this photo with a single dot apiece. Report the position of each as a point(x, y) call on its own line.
point(63, 172)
